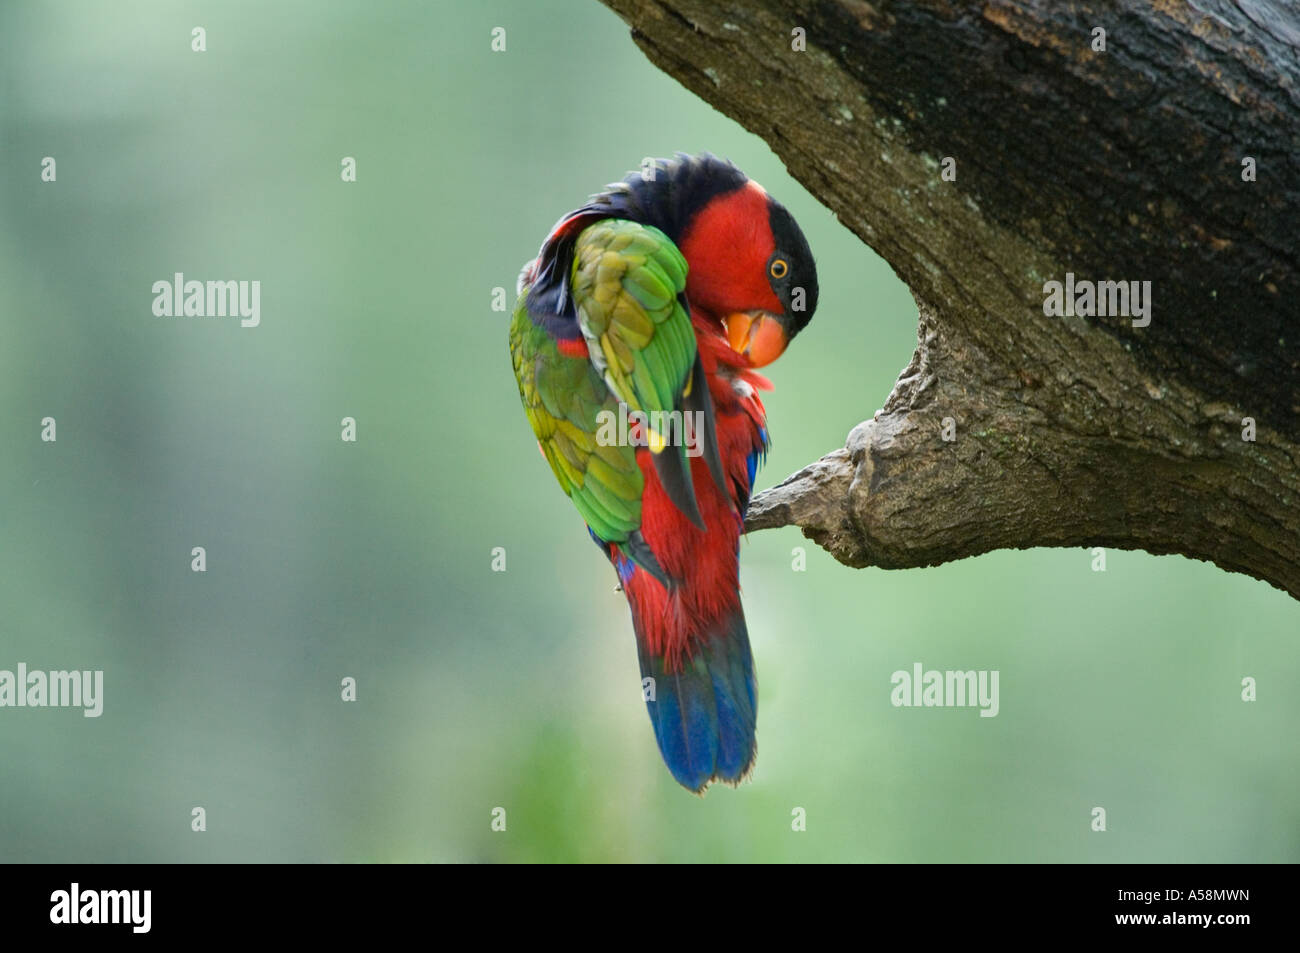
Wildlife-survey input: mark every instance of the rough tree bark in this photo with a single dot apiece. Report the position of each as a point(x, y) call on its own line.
point(1122, 164)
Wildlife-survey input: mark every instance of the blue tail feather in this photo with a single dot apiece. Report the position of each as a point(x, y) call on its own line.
point(704, 715)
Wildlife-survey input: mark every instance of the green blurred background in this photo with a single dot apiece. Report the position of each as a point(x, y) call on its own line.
point(480, 689)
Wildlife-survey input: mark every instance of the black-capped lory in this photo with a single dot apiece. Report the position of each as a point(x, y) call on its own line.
point(635, 338)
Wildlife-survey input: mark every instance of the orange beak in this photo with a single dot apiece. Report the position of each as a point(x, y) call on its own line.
point(757, 335)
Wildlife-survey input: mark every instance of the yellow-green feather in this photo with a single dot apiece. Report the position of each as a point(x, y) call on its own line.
point(627, 279)
point(626, 282)
point(562, 397)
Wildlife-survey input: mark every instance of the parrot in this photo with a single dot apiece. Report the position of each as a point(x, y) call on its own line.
point(653, 304)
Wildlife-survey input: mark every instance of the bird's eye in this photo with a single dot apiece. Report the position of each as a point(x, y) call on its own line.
point(779, 268)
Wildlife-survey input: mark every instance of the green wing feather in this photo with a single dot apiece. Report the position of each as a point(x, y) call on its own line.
point(626, 282)
point(562, 397)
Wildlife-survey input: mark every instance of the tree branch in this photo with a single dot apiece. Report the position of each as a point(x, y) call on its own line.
point(1117, 165)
